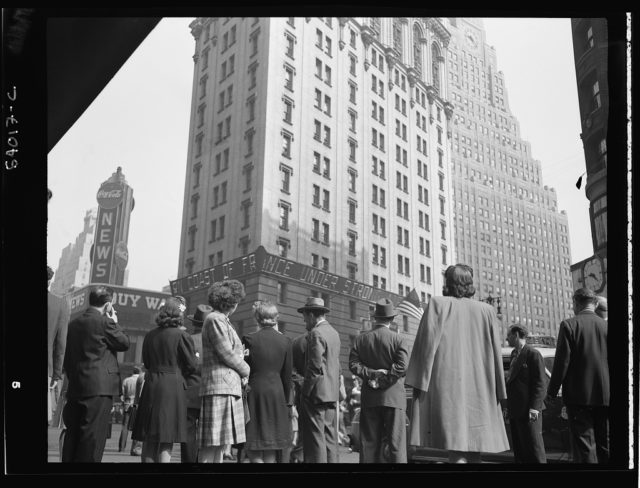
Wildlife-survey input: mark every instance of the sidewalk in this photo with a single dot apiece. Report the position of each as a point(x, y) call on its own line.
point(111, 454)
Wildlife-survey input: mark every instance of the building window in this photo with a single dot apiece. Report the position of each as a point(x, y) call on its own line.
point(352, 310)
point(352, 236)
point(212, 260)
point(352, 65)
point(288, 77)
point(327, 46)
point(352, 120)
point(316, 195)
point(244, 245)
point(352, 92)
point(286, 144)
point(327, 75)
point(326, 170)
point(595, 96)
point(315, 260)
point(285, 174)
point(352, 149)
point(443, 230)
point(196, 175)
point(192, 237)
point(199, 139)
point(247, 170)
point(325, 200)
point(194, 205)
point(327, 136)
point(246, 213)
point(253, 41)
point(288, 110)
point(249, 138)
point(327, 105)
point(325, 233)
point(315, 230)
point(290, 41)
point(316, 162)
point(352, 210)
point(325, 264)
point(282, 292)
point(285, 208)
point(352, 269)
point(214, 226)
point(283, 246)
point(590, 42)
point(352, 38)
point(441, 181)
point(352, 179)
point(189, 265)
point(317, 130)
point(444, 255)
point(203, 86)
point(251, 109)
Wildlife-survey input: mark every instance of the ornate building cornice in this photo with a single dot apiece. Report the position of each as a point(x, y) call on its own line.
point(440, 30)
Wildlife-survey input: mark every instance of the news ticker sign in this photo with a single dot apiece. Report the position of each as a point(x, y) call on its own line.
point(262, 262)
point(124, 299)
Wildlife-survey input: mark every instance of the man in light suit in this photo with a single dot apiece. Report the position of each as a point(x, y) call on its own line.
point(379, 356)
point(91, 366)
point(57, 324)
point(581, 367)
point(526, 388)
point(320, 390)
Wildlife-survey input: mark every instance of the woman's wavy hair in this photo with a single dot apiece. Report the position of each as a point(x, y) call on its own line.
point(224, 295)
point(171, 314)
point(458, 281)
point(265, 313)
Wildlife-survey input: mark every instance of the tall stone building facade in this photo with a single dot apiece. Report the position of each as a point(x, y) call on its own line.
point(507, 223)
point(590, 50)
point(74, 266)
point(324, 143)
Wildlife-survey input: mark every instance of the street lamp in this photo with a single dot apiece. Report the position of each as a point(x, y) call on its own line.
point(497, 300)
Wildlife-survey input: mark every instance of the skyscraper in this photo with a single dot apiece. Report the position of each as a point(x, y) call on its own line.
point(507, 224)
point(325, 142)
point(74, 266)
point(590, 50)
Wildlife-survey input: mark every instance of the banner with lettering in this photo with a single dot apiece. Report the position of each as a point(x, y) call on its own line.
point(124, 299)
point(102, 257)
point(262, 262)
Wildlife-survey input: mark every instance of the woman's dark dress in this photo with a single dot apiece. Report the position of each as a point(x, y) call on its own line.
point(169, 357)
point(270, 385)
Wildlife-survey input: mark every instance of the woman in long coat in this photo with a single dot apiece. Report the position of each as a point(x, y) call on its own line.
point(223, 373)
point(268, 353)
point(457, 375)
point(169, 358)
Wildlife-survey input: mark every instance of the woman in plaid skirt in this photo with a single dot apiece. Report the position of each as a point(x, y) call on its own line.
point(224, 372)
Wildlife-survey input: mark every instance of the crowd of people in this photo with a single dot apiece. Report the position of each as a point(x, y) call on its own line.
point(281, 400)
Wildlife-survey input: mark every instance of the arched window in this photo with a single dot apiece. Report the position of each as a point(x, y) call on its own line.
point(397, 36)
point(435, 66)
point(417, 48)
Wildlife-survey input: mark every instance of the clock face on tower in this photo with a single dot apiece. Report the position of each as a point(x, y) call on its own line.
point(593, 274)
point(471, 38)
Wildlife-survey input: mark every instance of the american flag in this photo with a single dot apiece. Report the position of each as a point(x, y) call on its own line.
point(410, 305)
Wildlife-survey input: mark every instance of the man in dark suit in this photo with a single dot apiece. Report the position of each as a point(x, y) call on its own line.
point(298, 351)
point(57, 324)
point(581, 367)
point(526, 388)
point(320, 390)
point(189, 449)
point(379, 356)
point(91, 366)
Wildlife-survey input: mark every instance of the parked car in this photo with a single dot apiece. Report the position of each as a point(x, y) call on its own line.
point(555, 428)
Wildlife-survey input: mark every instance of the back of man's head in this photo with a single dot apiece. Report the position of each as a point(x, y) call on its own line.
point(99, 295)
point(584, 297)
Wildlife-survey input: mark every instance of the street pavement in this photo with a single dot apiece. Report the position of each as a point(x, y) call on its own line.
point(111, 454)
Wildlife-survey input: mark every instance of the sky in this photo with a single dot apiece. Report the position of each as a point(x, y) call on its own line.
point(140, 121)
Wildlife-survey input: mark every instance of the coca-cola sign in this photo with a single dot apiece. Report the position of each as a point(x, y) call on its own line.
point(110, 195)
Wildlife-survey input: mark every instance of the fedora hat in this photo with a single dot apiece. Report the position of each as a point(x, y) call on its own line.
point(314, 303)
point(201, 313)
point(384, 309)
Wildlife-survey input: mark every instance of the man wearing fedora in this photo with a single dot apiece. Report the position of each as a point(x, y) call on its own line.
point(320, 389)
point(379, 356)
point(189, 449)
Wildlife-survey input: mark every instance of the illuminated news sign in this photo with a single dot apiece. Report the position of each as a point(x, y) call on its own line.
point(262, 262)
